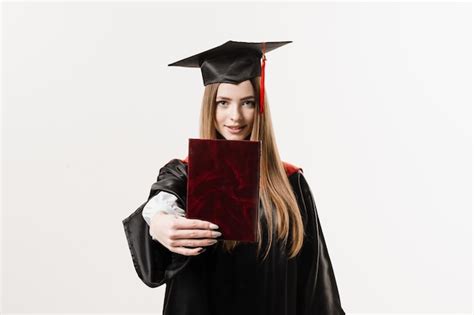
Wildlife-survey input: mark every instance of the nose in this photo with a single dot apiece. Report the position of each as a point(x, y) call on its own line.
point(235, 113)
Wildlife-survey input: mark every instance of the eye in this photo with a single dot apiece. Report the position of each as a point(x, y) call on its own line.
point(222, 103)
point(249, 103)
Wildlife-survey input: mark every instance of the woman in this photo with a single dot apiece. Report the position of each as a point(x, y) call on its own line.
point(288, 270)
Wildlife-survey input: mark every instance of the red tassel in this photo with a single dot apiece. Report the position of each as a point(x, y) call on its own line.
point(262, 82)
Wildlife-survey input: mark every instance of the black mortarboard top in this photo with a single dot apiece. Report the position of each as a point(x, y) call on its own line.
point(232, 62)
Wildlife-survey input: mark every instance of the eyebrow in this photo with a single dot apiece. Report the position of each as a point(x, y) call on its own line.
point(226, 98)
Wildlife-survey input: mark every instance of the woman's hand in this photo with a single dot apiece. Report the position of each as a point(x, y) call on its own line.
point(174, 232)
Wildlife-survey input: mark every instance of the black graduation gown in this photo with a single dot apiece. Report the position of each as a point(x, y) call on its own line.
point(220, 283)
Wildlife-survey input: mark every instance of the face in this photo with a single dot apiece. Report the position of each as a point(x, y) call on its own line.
point(235, 107)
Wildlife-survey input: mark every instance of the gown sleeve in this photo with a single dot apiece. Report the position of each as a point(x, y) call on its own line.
point(318, 292)
point(153, 262)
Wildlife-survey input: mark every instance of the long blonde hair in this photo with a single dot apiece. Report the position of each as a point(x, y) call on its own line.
point(280, 207)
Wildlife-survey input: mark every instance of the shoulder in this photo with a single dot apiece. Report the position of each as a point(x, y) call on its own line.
point(175, 167)
point(176, 163)
point(298, 181)
point(291, 169)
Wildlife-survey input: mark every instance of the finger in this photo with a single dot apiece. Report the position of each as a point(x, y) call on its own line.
point(192, 242)
point(184, 223)
point(188, 251)
point(180, 234)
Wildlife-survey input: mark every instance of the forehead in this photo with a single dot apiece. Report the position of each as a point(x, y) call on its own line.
point(242, 89)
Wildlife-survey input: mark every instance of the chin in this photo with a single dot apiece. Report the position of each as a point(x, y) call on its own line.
point(229, 136)
point(232, 137)
point(235, 137)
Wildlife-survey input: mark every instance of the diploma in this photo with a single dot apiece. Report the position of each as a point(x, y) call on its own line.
point(223, 186)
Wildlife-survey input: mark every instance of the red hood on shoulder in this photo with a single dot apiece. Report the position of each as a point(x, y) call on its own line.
point(290, 169)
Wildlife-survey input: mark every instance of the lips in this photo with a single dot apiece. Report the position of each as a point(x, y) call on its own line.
point(235, 129)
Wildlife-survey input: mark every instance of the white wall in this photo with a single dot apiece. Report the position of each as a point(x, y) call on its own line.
point(373, 100)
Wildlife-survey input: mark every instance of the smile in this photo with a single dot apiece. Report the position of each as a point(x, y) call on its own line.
point(235, 129)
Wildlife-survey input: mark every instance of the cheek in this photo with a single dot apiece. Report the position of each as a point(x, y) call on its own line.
point(249, 117)
point(219, 116)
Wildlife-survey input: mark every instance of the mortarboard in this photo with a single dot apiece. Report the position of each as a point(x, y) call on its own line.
point(233, 62)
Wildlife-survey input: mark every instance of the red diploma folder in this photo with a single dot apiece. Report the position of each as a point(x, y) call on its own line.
point(223, 186)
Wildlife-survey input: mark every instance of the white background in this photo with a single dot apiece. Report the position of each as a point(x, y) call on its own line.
point(372, 100)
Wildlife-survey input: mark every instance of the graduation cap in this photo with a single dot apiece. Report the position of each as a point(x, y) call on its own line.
point(233, 62)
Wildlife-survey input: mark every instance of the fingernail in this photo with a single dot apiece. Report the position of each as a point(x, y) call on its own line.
point(202, 250)
point(213, 226)
point(216, 234)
